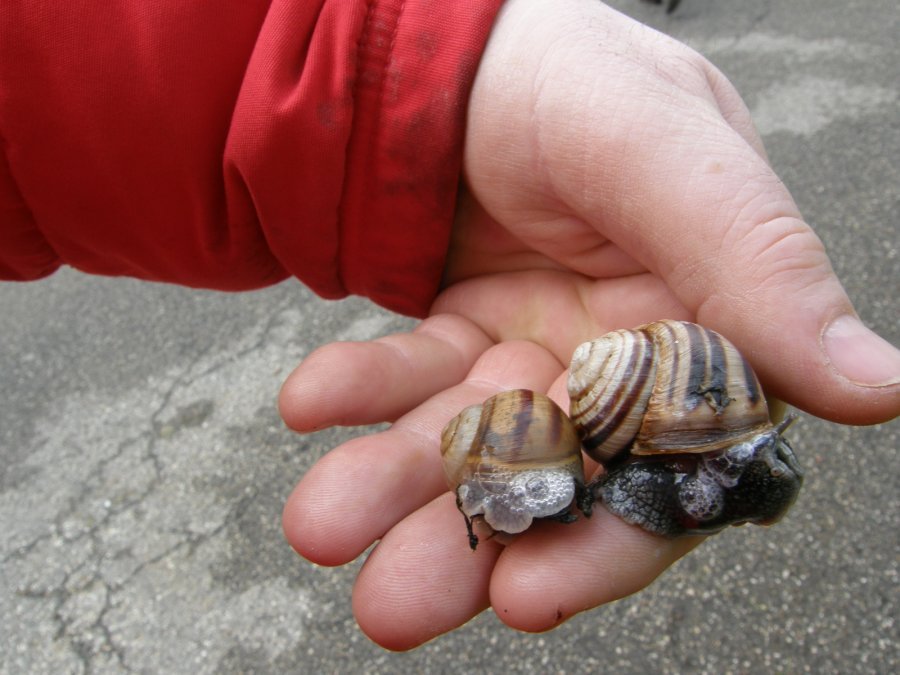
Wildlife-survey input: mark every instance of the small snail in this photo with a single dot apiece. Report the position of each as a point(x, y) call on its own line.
point(678, 418)
point(512, 459)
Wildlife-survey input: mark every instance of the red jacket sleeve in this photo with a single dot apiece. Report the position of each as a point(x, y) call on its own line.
point(230, 145)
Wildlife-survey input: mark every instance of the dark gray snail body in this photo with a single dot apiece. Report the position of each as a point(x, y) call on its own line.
point(512, 459)
point(678, 418)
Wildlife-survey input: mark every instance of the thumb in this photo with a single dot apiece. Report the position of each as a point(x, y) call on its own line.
point(774, 294)
point(627, 136)
point(712, 220)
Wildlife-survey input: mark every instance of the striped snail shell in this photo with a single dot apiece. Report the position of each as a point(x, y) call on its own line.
point(669, 386)
point(512, 459)
point(679, 419)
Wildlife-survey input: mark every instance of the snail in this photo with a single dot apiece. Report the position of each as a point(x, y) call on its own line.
point(512, 459)
point(677, 417)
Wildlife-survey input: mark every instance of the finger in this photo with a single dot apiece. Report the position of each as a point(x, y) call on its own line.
point(553, 572)
point(351, 383)
point(423, 580)
point(360, 490)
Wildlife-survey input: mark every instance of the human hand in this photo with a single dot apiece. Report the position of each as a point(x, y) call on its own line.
point(613, 178)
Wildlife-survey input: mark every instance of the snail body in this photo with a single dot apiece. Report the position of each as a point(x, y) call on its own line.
point(678, 418)
point(512, 459)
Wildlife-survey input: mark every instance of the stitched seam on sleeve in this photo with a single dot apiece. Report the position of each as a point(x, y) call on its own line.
point(368, 96)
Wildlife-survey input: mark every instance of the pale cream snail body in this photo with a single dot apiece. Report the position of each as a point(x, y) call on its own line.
point(671, 410)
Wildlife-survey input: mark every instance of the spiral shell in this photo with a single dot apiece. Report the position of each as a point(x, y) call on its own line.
point(514, 458)
point(666, 387)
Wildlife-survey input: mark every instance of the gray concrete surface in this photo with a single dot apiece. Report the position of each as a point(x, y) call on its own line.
point(143, 465)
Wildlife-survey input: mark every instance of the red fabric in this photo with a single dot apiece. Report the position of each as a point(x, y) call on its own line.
point(231, 144)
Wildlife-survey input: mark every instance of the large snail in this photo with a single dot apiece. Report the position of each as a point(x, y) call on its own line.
point(678, 418)
point(512, 459)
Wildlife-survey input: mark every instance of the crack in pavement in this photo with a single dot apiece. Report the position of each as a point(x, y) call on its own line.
point(121, 499)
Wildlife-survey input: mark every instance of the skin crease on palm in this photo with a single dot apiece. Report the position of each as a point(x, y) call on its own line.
point(612, 177)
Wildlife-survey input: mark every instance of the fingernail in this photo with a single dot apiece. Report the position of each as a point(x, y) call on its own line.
point(860, 355)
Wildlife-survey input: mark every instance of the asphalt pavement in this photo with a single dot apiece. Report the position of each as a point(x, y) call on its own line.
point(143, 465)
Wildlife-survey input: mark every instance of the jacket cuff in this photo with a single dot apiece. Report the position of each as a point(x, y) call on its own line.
point(346, 144)
point(416, 65)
